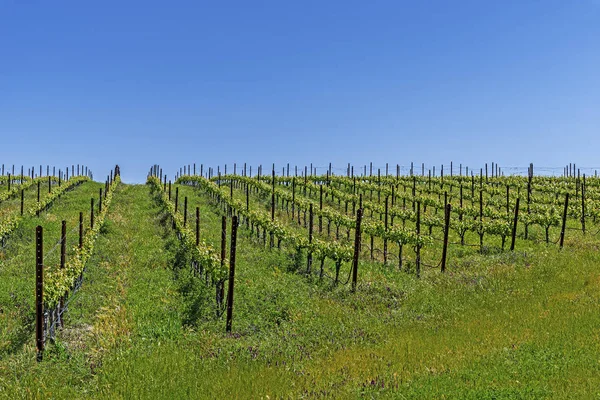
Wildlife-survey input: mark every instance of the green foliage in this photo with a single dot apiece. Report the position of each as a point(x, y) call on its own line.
point(11, 223)
point(514, 325)
point(334, 250)
point(204, 254)
point(58, 281)
point(15, 188)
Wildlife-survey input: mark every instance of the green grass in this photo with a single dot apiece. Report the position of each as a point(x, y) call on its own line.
point(507, 325)
point(17, 261)
point(12, 205)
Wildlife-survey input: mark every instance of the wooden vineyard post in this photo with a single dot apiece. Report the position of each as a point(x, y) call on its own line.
point(320, 208)
point(176, 199)
point(481, 221)
point(22, 200)
point(446, 230)
point(80, 229)
point(185, 211)
point(414, 192)
point(310, 238)
point(418, 247)
point(385, 244)
point(39, 291)
point(92, 214)
point(481, 177)
point(197, 226)
point(486, 173)
point(220, 285)
point(37, 213)
point(63, 259)
point(49, 184)
point(273, 196)
point(583, 188)
point(169, 190)
point(357, 235)
point(514, 229)
point(564, 221)
point(247, 198)
point(234, 223)
point(63, 244)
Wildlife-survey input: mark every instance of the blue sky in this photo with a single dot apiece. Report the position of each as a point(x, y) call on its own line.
point(144, 82)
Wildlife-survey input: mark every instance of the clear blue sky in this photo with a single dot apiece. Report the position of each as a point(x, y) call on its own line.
point(143, 82)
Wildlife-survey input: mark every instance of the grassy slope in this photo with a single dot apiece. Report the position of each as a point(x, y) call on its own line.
point(17, 261)
point(497, 327)
point(521, 325)
point(430, 254)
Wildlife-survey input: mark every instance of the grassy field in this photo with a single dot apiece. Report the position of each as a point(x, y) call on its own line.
point(17, 262)
point(508, 325)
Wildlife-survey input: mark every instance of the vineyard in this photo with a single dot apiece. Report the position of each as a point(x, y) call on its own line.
point(456, 284)
point(319, 214)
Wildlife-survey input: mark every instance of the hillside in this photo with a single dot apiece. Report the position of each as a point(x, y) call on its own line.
point(148, 318)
